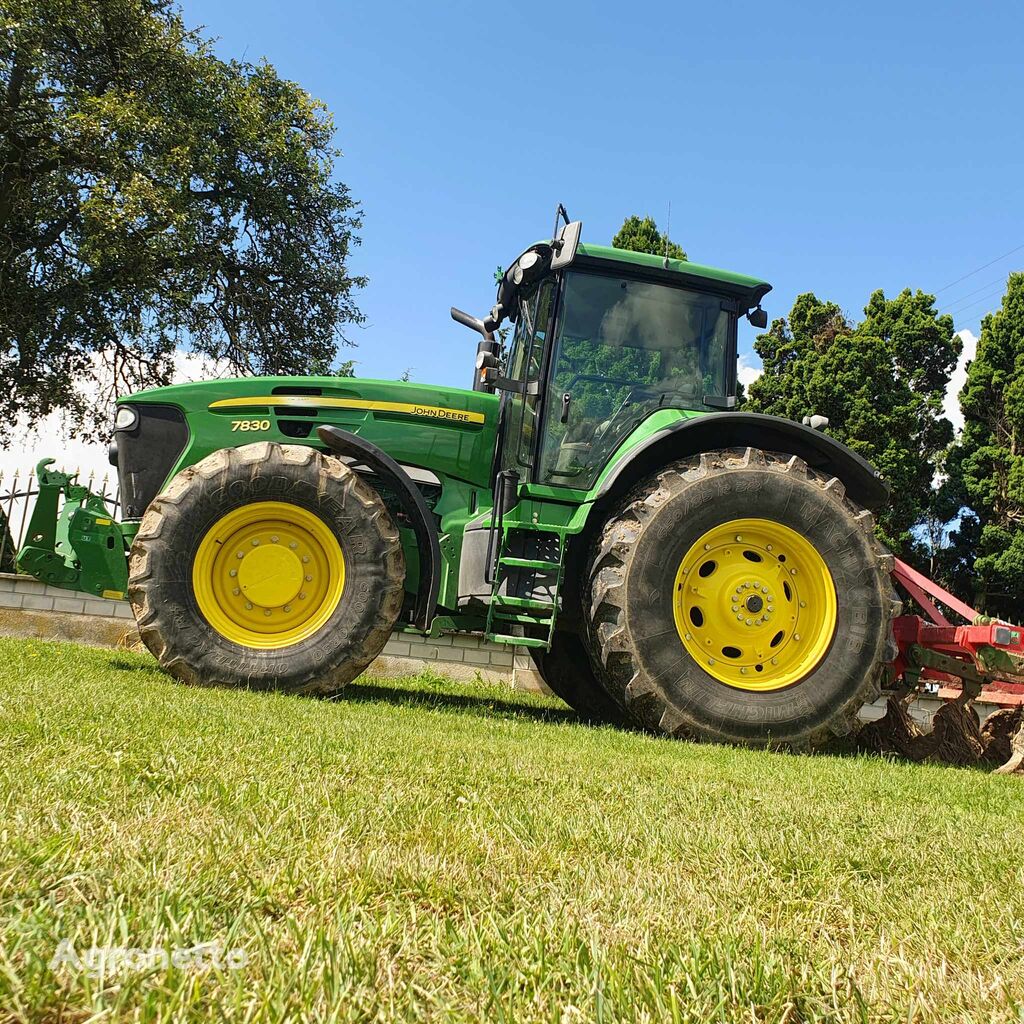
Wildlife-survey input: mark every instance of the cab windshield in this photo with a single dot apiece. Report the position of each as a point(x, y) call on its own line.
point(624, 349)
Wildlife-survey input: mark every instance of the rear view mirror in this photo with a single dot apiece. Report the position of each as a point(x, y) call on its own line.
point(566, 244)
point(758, 318)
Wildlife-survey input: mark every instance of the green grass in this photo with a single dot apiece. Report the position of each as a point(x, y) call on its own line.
point(422, 849)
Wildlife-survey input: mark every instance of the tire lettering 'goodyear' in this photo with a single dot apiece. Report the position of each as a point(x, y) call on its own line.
point(434, 412)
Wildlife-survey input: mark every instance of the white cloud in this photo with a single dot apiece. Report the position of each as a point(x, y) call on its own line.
point(951, 403)
point(50, 437)
point(746, 371)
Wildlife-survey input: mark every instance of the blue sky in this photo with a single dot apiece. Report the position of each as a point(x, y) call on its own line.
point(831, 148)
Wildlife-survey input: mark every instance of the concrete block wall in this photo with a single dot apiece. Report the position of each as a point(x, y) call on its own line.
point(29, 608)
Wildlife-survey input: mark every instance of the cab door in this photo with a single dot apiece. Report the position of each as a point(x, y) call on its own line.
point(520, 408)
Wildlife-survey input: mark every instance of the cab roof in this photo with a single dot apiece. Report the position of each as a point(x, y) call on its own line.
point(726, 280)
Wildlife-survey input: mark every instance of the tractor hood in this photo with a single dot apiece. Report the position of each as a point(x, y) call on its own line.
point(448, 431)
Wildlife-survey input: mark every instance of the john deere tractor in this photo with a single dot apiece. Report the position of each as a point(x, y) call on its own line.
point(594, 497)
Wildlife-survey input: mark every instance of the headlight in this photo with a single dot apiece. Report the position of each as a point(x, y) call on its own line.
point(126, 417)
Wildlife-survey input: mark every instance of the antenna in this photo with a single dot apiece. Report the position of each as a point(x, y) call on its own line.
point(668, 228)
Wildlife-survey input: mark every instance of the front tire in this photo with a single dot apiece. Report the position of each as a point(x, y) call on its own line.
point(267, 567)
point(741, 598)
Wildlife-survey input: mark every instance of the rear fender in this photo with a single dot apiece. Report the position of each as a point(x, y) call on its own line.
point(714, 431)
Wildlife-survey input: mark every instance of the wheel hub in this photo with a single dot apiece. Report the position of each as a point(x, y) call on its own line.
point(268, 575)
point(754, 604)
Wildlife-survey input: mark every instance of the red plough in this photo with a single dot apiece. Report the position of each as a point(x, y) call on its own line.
point(962, 662)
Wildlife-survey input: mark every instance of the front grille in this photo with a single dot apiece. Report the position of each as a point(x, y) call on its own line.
point(146, 454)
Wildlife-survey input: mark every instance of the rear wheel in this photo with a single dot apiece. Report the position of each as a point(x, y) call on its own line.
point(567, 672)
point(742, 598)
point(268, 567)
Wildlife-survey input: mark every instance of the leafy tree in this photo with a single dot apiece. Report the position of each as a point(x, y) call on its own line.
point(153, 196)
point(642, 235)
point(880, 382)
point(989, 460)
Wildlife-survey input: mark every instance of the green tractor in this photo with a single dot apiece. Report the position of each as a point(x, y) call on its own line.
point(595, 497)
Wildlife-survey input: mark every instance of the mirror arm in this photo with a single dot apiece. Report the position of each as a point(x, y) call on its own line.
point(474, 323)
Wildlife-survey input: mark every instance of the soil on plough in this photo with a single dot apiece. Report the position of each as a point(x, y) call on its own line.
point(955, 738)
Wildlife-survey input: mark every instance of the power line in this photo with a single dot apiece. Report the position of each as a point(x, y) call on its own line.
point(978, 302)
point(967, 295)
point(974, 302)
point(984, 266)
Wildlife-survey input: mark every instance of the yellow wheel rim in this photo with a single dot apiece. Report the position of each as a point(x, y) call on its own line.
point(755, 605)
point(268, 575)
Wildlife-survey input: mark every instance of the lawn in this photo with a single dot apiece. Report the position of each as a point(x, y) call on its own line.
point(422, 849)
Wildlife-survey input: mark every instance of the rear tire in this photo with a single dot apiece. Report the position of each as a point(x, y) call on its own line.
point(567, 672)
point(267, 567)
point(798, 694)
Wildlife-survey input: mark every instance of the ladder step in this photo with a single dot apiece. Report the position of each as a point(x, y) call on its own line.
point(530, 563)
point(522, 602)
point(518, 641)
point(523, 620)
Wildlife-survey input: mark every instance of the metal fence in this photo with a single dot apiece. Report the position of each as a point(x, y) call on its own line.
point(18, 491)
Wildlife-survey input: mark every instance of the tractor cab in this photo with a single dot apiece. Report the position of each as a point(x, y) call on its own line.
point(603, 338)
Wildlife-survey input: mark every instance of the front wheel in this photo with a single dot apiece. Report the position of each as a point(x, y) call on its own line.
point(267, 567)
point(740, 597)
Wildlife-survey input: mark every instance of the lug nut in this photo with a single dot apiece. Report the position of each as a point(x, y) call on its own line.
point(255, 542)
point(738, 538)
point(796, 636)
point(248, 606)
point(273, 539)
point(239, 554)
point(293, 545)
point(236, 591)
point(309, 579)
point(305, 558)
point(234, 572)
point(768, 547)
point(266, 611)
point(302, 597)
point(803, 604)
point(750, 622)
point(739, 618)
point(287, 608)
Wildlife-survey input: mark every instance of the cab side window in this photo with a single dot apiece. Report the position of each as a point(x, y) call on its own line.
point(525, 362)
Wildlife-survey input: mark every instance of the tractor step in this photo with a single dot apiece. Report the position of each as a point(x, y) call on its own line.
point(530, 563)
point(521, 620)
point(523, 602)
point(516, 572)
point(518, 641)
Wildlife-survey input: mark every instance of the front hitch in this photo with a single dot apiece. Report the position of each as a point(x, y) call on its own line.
point(75, 544)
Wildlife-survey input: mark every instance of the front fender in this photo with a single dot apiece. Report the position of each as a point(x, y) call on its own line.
point(713, 431)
